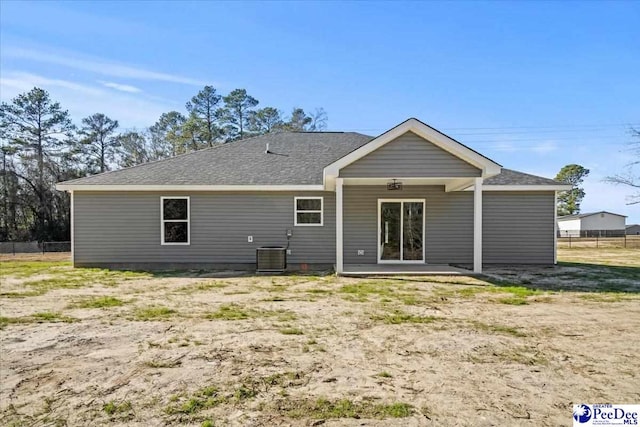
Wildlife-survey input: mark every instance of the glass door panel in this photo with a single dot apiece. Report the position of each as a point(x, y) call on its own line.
point(390, 214)
point(401, 231)
point(412, 224)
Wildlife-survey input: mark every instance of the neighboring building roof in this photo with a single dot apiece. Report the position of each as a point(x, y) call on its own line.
point(632, 225)
point(579, 216)
point(294, 159)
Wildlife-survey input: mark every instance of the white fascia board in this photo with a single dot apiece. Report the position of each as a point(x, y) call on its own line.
point(488, 167)
point(525, 188)
point(90, 187)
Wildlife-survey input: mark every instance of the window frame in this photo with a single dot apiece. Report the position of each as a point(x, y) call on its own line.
point(296, 211)
point(163, 221)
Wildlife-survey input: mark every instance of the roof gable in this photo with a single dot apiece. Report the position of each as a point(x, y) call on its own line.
point(410, 155)
point(486, 165)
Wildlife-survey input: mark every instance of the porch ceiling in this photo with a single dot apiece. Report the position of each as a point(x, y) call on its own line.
point(450, 183)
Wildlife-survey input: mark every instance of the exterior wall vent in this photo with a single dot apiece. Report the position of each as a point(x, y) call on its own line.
point(271, 259)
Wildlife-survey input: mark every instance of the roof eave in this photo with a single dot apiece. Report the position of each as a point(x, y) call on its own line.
point(524, 187)
point(191, 188)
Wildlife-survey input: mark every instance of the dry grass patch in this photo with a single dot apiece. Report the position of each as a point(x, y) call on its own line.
point(324, 408)
point(154, 313)
point(398, 317)
point(238, 312)
point(42, 317)
point(443, 341)
point(98, 302)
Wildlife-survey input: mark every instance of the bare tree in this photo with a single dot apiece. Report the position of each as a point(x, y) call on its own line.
point(630, 177)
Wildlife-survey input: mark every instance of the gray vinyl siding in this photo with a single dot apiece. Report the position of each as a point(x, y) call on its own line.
point(125, 228)
point(518, 227)
point(409, 156)
point(448, 222)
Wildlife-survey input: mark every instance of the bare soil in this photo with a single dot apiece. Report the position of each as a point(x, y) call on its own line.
point(517, 347)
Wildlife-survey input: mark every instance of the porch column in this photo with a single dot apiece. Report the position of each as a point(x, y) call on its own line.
point(339, 235)
point(477, 226)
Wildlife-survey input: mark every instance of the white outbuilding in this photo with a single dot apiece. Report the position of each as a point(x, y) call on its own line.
point(594, 224)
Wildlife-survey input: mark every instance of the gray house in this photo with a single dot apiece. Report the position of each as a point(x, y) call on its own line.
point(411, 196)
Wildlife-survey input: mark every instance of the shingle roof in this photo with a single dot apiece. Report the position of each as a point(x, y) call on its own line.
point(294, 158)
point(511, 177)
point(582, 215)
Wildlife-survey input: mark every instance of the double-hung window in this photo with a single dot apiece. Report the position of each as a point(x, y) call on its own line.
point(308, 211)
point(174, 220)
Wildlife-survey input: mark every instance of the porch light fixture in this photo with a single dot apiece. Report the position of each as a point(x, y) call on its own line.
point(394, 185)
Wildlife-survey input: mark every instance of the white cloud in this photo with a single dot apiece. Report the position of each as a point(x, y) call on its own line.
point(130, 109)
point(504, 146)
point(23, 82)
point(96, 65)
point(120, 87)
point(544, 147)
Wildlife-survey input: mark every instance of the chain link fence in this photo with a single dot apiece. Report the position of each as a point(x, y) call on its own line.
point(34, 247)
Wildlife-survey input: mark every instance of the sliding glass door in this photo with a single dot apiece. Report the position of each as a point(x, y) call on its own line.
point(401, 230)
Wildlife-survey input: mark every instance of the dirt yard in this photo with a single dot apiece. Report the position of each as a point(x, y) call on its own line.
point(518, 347)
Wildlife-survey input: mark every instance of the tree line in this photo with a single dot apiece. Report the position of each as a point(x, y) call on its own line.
point(41, 146)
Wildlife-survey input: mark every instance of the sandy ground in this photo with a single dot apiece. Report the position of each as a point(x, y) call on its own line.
point(298, 350)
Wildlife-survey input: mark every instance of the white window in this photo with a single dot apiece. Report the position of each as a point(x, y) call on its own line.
point(308, 211)
point(175, 228)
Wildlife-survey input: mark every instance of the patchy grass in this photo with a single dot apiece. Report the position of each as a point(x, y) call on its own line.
point(153, 313)
point(344, 408)
point(43, 317)
point(237, 312)
point(51, 316)
point(496, 329)
point(363, 290)
point(513, 301)
point(23, 269)
point(42, 277)
point(517, 294)
point(398, 317)
point(251, 370)
point(291, 331)
point(202, 287)
point(6, 321)
point(162, 364)
point(114, 408)
point(205, 398)
point(98, 302)
point(284, 379)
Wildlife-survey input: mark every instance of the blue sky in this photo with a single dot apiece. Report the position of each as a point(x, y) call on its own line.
point(533, 85)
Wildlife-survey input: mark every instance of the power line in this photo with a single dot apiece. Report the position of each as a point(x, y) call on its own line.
point(551, 128)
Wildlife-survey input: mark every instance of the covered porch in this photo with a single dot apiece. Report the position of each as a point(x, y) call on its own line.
point(374, 234)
